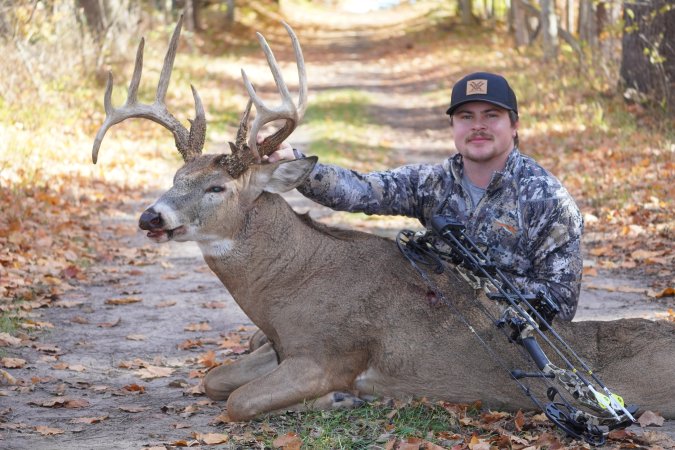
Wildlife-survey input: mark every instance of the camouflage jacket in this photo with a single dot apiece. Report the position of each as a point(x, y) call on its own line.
point(528, 223)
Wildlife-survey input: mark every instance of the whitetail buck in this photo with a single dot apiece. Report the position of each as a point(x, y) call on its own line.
point(343, 310)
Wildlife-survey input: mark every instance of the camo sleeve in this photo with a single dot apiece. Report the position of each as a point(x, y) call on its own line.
point(554, 231)
point(411, 190)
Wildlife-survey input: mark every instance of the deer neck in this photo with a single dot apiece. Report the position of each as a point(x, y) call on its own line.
point(253, 264)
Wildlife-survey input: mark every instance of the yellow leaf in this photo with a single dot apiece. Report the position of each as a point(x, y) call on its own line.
point(123, 300)
point(47, 431)
point(211, 438)
point(201, 326)
point(151, 372)
point(13, 363)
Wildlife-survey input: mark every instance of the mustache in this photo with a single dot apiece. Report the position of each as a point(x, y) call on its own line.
point(479, 134)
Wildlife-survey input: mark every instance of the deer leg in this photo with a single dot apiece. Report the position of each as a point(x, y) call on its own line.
point(221, 381)
point(297, 383)
point(257, 340)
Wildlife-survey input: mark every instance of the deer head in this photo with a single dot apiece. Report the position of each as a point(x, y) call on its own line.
point(211, 193)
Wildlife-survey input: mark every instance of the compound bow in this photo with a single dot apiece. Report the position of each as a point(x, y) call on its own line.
point(528, 317)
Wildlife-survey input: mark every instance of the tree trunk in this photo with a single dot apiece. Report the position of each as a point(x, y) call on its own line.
point(520, 28)
point(648, 57)
point(192, 14)
point(229, 18)
point(466, 11)
point(95, 15)
point(569, 16)
point(549, 28)
point(587, 23)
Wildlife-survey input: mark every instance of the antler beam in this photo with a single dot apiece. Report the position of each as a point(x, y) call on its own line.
point(287, 110)
point(188, 143)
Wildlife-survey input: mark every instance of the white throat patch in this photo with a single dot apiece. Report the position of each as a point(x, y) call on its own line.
point(216, 248)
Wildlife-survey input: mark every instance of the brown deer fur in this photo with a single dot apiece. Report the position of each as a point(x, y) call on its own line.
point(345, 311)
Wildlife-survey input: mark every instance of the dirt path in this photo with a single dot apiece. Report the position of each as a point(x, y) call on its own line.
point(115, 364)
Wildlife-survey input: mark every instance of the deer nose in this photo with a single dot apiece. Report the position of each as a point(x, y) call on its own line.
point(150, 220)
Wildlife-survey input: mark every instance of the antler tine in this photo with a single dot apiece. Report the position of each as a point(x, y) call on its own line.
point(243, 126)
point(189, 144)
point(287, 111)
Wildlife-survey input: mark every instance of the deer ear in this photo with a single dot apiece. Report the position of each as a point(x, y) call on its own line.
point(287, 175)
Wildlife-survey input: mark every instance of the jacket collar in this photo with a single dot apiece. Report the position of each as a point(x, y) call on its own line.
point(512, 167)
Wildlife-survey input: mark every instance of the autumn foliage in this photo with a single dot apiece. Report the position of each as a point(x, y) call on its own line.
point(62, 219)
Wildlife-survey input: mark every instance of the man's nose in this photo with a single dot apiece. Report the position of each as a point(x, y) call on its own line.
point(478, 124)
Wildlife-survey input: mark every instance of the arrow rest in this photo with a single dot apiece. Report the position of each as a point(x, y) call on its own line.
point(524, 319)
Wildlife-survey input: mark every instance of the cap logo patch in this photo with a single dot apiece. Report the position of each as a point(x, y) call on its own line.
point(476, 87)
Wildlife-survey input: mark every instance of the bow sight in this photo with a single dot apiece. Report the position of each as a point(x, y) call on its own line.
point(523, 319)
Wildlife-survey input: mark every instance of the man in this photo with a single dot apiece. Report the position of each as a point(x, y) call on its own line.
point(518, 212)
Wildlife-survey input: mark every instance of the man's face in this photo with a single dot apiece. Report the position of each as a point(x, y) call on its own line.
point(483, 132)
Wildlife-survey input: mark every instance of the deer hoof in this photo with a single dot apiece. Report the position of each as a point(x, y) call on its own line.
point(216, 384)
point(345, 400)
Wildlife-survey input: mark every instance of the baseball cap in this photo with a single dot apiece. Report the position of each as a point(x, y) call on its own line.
point(483, 87)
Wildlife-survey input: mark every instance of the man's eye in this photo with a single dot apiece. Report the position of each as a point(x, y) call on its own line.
point(215, 189)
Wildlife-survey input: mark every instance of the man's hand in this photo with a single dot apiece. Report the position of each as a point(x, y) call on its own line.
point(285, 151)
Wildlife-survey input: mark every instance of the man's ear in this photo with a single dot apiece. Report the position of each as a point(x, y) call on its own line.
point(285, 175)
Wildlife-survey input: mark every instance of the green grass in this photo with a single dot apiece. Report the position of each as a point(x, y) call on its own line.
point(342, 129)
point(367, 427)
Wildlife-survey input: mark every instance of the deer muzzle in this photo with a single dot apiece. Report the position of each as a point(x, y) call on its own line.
point(150, 220)
point(155, 225)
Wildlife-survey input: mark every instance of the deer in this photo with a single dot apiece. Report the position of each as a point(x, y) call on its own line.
point(343, 314)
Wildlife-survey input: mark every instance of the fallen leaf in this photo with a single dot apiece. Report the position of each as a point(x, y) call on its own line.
point(76, 403)
point(150, 372)
point(165, 304)
point(48, 431)
point(110, 324)
point(289, 441)
point(519, 420)
point(201, 326)
point(61, 402)
point(133, 409)
point(190, 343)
point(134, 388)
point(649, 418)
point(136, 337)
point(645, 254)
point(214, 305)
point(478, 444)
point(590, 272)
point(211, 438)
point(7, 378)
point(667, 292)
point(12, 363)
point(89, 420)
point(30, 324)
point(8, 340)
point(123, 300)
point(77, 368)
point(208, 359)
point(80, 320)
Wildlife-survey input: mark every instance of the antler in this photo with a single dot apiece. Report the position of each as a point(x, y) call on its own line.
point(189, 144)
point(243, 155)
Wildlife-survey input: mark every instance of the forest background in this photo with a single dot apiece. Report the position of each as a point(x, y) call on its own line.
point(594, 80)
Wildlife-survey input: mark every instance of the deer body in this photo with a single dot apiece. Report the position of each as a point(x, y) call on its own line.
point(344, 310)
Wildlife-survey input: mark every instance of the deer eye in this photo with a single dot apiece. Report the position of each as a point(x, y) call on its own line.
point(215, 189)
